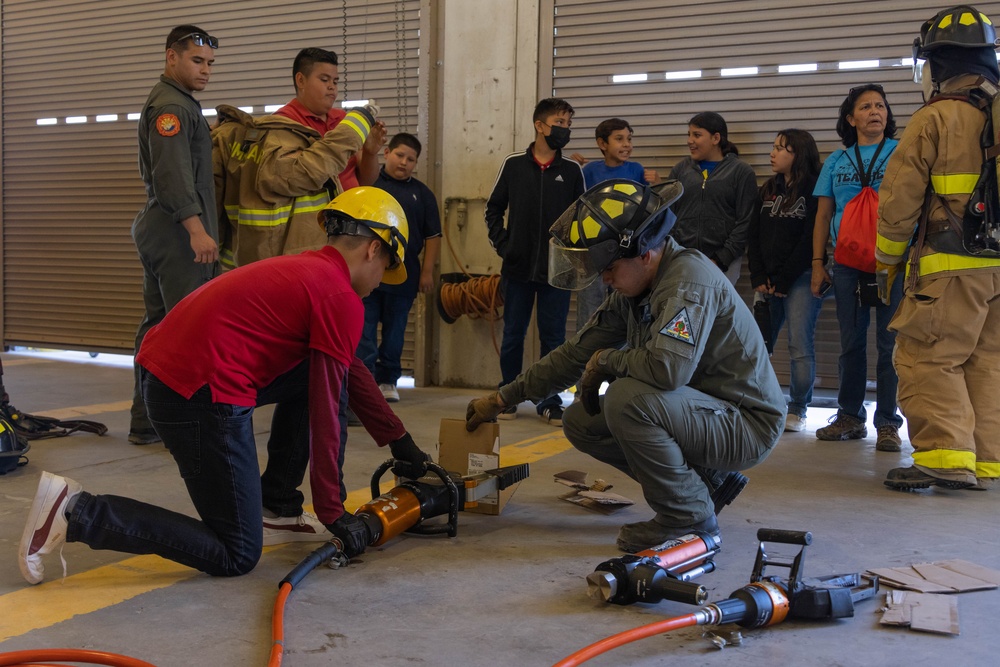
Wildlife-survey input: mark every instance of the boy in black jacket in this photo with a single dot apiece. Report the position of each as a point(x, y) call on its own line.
point(533, 187)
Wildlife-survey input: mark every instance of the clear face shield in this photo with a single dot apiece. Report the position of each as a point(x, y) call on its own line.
point(574, 268)
point(577, 268)
point(918, 64)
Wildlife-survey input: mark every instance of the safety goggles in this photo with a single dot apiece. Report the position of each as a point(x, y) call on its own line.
point(200, 39)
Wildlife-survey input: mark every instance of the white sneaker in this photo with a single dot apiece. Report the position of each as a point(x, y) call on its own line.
point(389, 393)
point(302, 528)
point(794, 423)
point(45, 530)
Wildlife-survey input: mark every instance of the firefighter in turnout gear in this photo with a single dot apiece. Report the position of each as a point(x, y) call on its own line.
point(692, 391)
point(947, 352)
point(273, 175)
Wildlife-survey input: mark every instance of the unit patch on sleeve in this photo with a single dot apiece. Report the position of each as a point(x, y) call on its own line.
point(680, 328)
point(168, 124)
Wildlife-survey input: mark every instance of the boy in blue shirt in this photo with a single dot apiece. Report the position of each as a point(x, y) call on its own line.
point(614, 138)
point(389, 305)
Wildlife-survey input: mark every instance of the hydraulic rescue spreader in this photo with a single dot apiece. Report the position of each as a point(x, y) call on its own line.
point(765, 601)
point(404, 508)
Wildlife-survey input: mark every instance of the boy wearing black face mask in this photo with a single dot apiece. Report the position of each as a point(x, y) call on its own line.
point(533, 187)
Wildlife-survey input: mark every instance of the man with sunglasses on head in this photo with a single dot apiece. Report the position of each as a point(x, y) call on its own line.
point(176, 232)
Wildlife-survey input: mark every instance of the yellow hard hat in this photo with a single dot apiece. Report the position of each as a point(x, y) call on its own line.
point(369, 211)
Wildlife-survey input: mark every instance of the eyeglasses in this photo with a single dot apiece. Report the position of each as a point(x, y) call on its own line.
point(780, 148)
point(200, 39)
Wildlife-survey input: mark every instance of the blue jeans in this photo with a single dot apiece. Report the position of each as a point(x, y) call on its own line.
point(853, 365)
point(391, 311)
point(553, 308)
point(801, 309)
point(213, 446)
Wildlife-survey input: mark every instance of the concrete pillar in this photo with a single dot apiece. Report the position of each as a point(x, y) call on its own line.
point(486, 83)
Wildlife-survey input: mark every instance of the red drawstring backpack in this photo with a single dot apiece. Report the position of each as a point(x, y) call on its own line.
point(859, 223)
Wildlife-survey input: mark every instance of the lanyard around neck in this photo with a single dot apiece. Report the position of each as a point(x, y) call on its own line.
point(866, 175)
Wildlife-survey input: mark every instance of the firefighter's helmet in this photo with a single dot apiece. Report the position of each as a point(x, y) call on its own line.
point(612, 220)
point(963, 26)
point(12, 448)
point(370, 211)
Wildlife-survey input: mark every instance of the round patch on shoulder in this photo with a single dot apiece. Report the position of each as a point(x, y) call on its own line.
point(168, 124)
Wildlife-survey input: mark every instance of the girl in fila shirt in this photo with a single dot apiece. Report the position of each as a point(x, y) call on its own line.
point(779, 252)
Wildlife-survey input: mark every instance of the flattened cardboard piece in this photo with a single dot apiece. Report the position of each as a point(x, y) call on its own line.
point(923, 612)
point(960, 583)
point(594, 497)
point(935, 613)
point(909, 579)
point(939, 616)
point(466, 453)
point(950, 576)
point(573, 478)
point(896, 611)
point(971, 570)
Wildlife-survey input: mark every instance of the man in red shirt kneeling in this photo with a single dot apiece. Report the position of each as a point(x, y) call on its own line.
point(282, 331)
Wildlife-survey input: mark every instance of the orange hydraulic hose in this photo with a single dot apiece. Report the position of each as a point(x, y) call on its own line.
point(278, 626)
point(21, 658)
point(622, 638)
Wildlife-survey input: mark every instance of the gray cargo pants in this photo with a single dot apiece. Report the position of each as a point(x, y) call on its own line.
point(655, 436)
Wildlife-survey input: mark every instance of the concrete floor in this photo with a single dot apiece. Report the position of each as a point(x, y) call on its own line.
point(509, 590)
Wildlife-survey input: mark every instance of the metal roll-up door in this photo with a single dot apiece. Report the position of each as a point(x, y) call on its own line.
point(71, 276)
point(849, 43)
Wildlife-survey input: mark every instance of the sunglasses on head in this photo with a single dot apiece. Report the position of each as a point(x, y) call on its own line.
point(857, 90)
point(200, 39)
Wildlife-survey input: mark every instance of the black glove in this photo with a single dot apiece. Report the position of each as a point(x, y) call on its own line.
point(352, 532)
point(481, 410)
point(411, 461)
point(590, 384)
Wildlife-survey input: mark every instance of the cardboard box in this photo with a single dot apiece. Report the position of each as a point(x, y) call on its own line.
point(466, 453)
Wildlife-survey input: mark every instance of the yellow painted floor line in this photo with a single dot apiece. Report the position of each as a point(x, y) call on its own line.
point(59, 599)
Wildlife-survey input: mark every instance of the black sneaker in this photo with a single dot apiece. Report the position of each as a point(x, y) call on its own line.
point(553, 415)
point(143, 437)
point(913, 478)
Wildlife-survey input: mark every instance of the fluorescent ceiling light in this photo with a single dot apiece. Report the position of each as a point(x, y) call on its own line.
point(738, 71)
point(46, 121)
point(628, 78)
point(107, 117)
point(908, 62)
point(75, 120)
point(208, 112)
point(686, 74)
point(858, 64)
point(348, 104)
point(133, 116)
point(247, 109)
point(803, 67)
point(271, 108)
